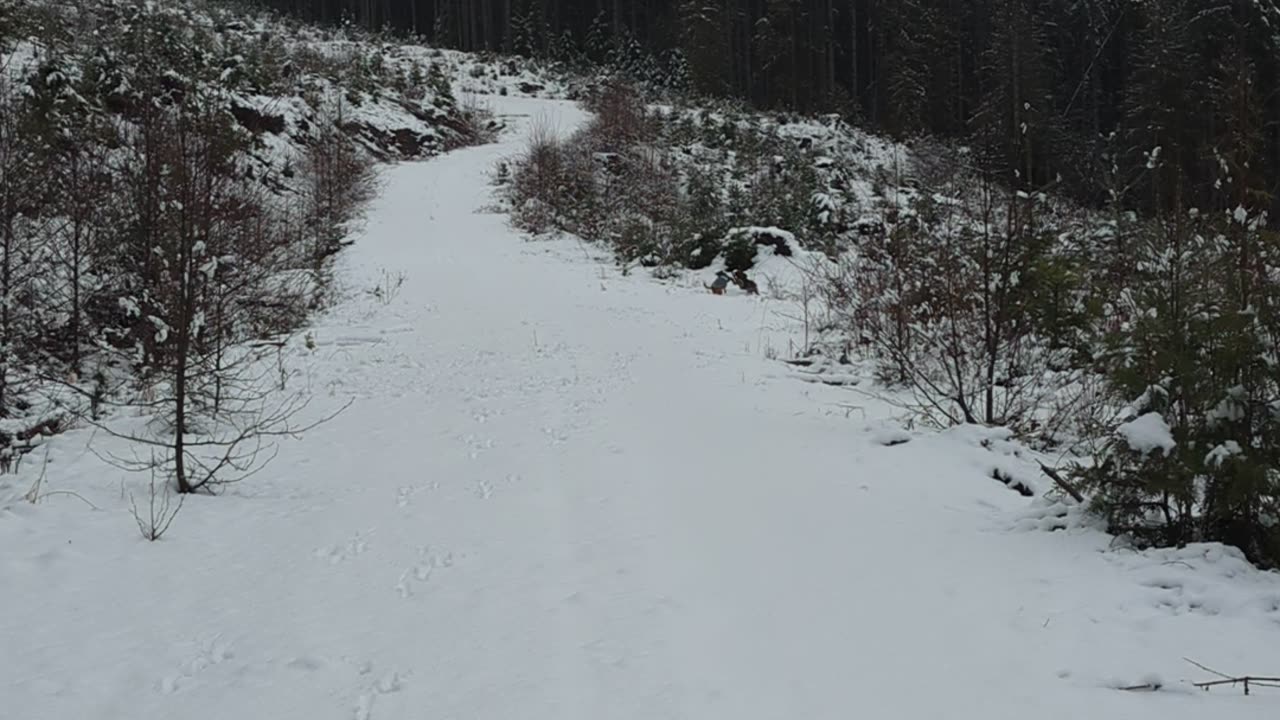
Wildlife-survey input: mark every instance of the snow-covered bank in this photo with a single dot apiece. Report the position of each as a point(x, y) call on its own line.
point(561, 493)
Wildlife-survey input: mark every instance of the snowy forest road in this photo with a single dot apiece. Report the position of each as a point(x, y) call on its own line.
point(565, 493)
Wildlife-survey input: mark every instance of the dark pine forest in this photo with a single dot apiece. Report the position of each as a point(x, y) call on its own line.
point(1069, 93)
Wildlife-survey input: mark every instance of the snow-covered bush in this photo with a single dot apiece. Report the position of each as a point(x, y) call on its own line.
point(948, 297)
point(1196, 454)
point(553, 186)
point(664, 186)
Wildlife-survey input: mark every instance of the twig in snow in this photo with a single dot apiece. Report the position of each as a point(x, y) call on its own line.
point(1244, 680)
point(1061, 482)
point(35, 495)
point(1148, 687)
point(73, 494)
point(1209, 670)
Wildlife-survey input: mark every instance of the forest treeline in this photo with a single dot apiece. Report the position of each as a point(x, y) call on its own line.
point(1053, 91)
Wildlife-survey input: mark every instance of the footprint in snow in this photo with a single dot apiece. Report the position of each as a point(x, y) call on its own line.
point(477, 445)
point(428, 563)
point(555, 436)
point(388, 684)
point(403, 588)
point(354, 547)
point(210, 651)
point(405, 495)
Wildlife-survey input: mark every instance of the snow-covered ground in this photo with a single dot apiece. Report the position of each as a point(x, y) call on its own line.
point(562, 493)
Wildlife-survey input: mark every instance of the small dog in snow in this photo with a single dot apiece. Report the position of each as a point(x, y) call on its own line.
point(747, 284)
point(717, 286)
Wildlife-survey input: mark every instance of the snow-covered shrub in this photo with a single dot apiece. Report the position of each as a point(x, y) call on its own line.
point(741, 245)
point(554, 187)
point(781, 183)
point(945, 300)
point(1196, 454)
point(668, 184)
point(701, 219)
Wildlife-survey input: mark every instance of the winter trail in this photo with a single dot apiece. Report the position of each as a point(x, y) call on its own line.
point(562, 493)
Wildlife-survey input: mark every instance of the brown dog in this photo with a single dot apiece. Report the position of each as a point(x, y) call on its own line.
point(748, 285)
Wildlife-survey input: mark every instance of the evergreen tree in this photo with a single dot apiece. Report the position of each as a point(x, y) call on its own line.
point(598, 43)
point(564, 48)
point(904, 39)
point(523, 34)
point(1160, 107)
point(1016, 124)
point(702, 45)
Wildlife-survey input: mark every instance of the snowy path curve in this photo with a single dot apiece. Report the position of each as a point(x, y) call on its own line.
point(561, 493)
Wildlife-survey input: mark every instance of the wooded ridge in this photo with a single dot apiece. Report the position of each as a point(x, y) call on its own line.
point(1053, 92)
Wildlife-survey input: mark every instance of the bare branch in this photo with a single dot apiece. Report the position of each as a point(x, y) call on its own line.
point(1062, 482)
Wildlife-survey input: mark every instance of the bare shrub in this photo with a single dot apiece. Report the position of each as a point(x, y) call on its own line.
point(209, 255)
point(604, 183)
point(388, 286)
point(640, 202)
point(643, 182)
point(621, 119)
point(806, 299)
point(947, 300)
point(338, 179)
point(554, 187)
point(22, 181)
point(161, 510)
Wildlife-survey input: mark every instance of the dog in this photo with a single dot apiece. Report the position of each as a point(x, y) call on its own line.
point(748, 285)
point(717, 286)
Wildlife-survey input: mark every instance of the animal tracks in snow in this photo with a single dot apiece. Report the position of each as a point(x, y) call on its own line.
point(555, 436)
point(429, 563)
point(388, 684)
point(210, 651)
point(405, 493)
point(385, 684)
point(476, 445)
point(484, 488)
point(356, 546)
